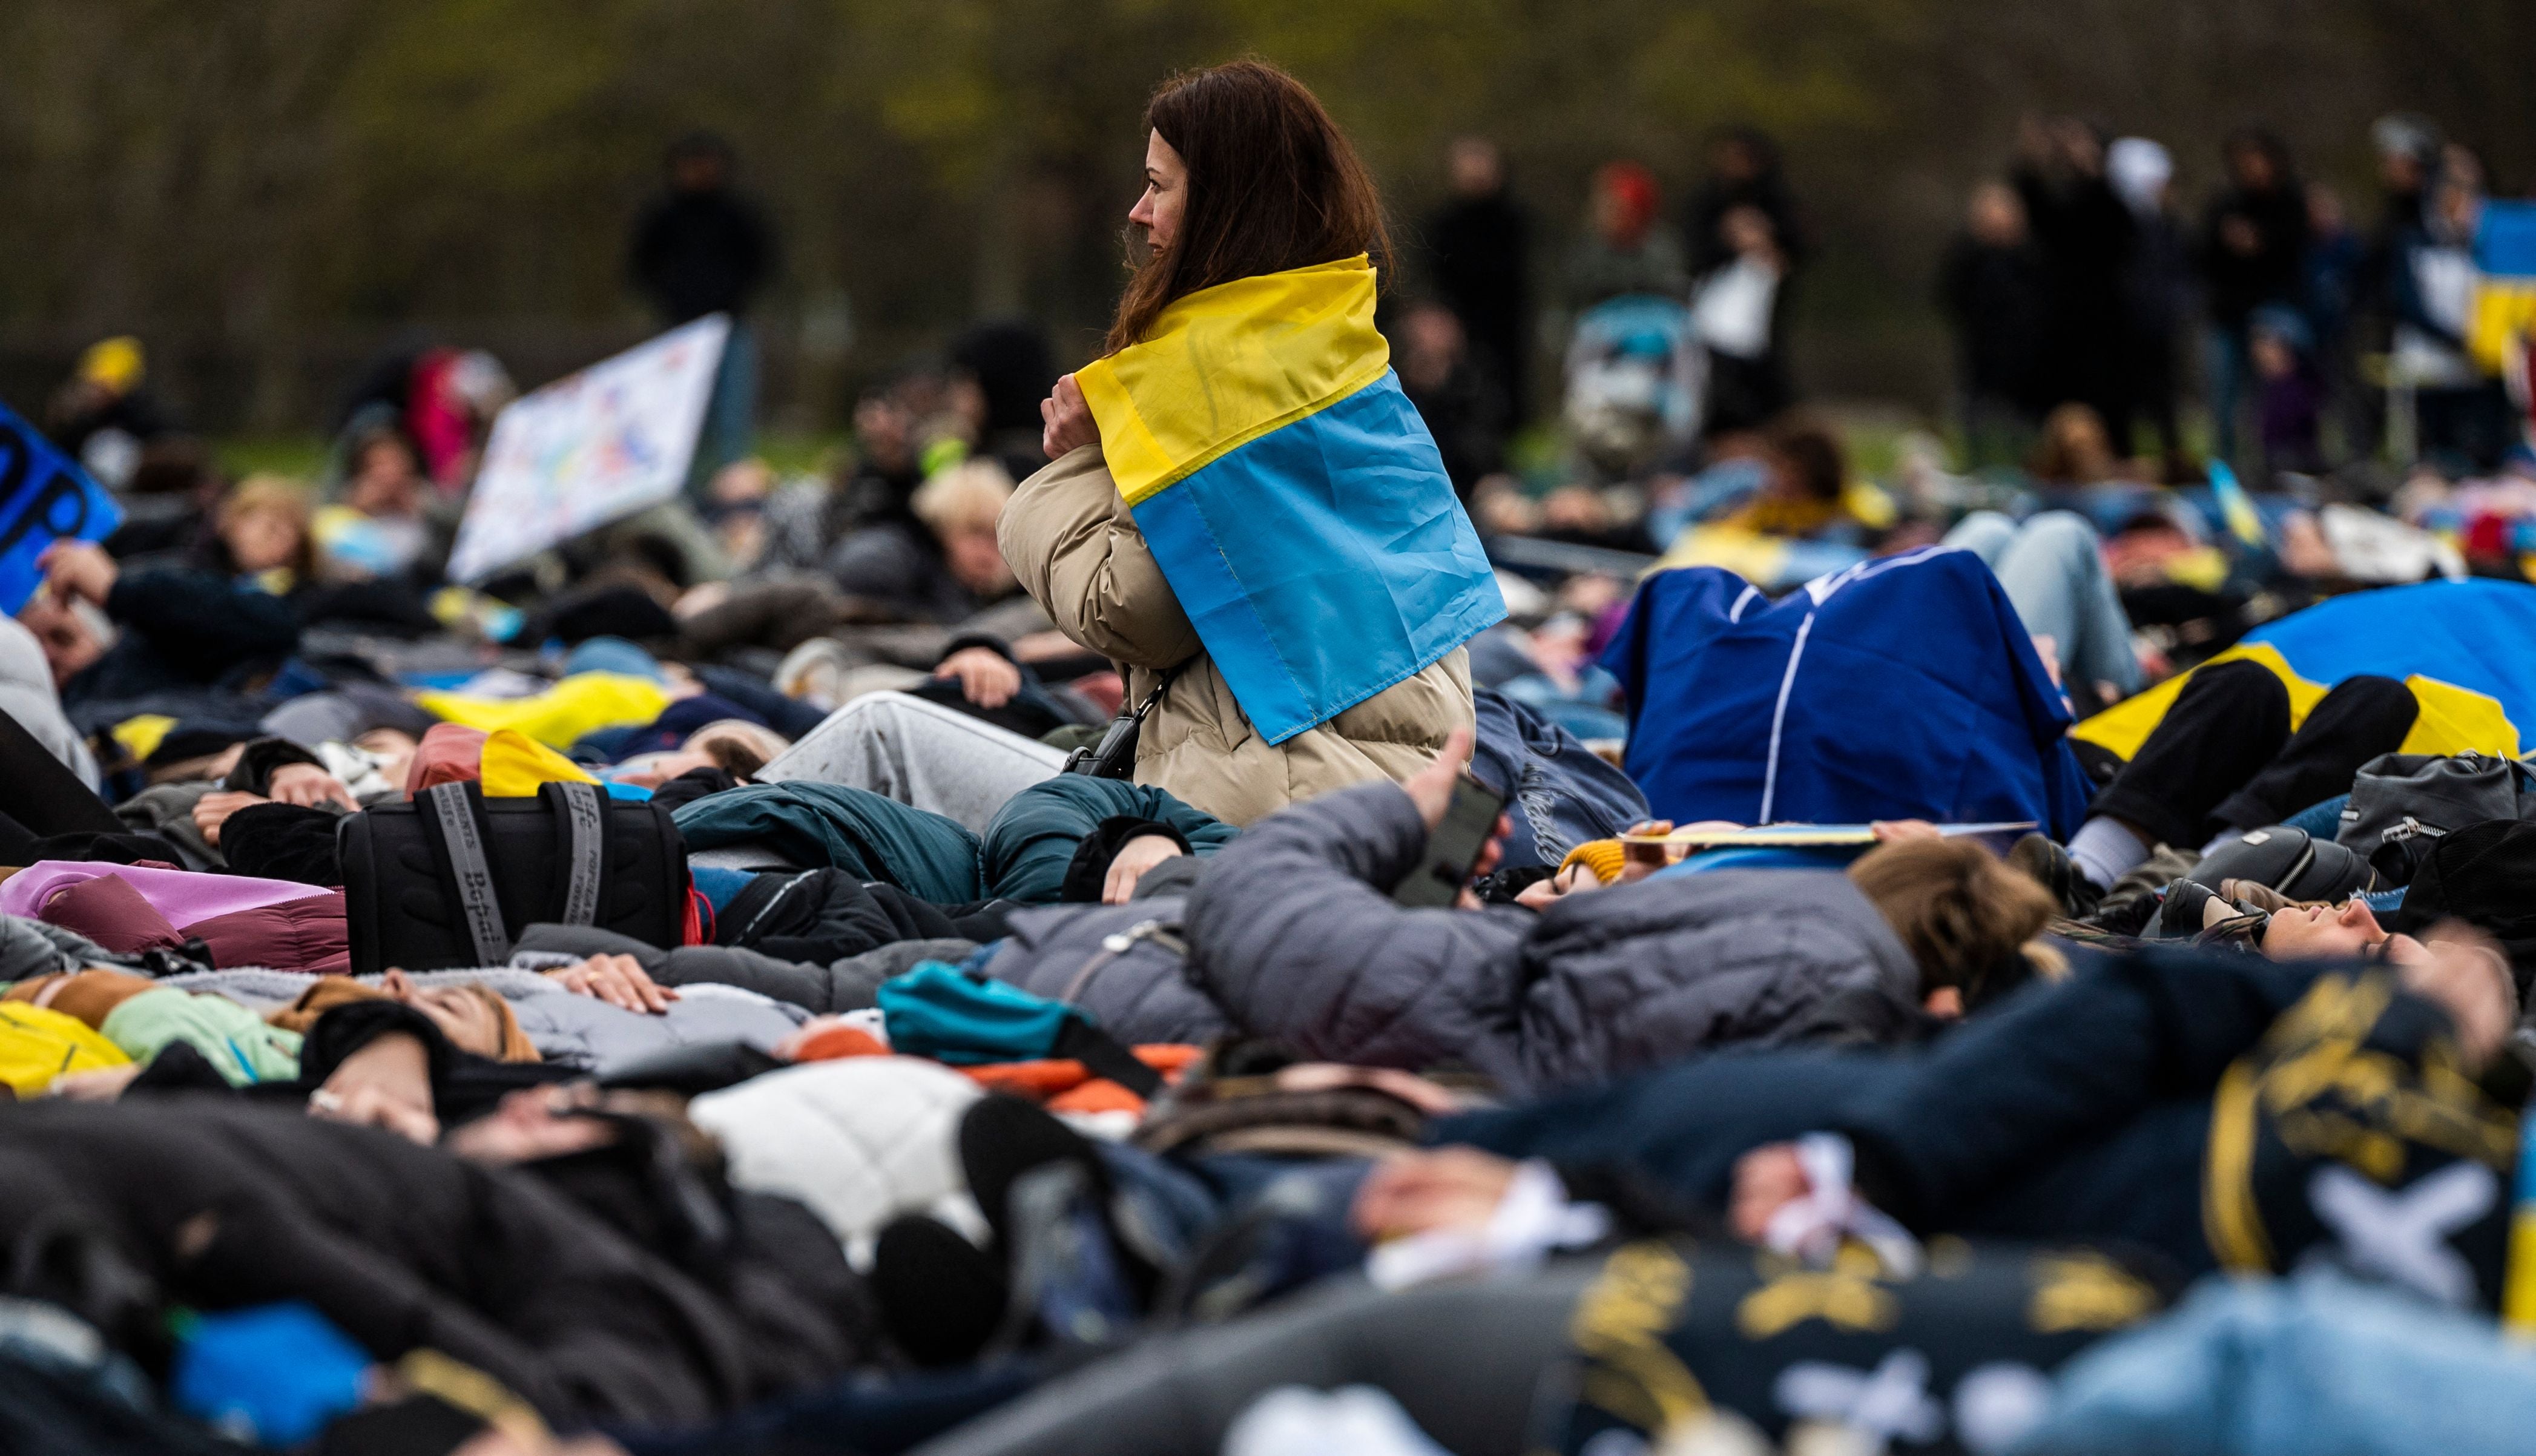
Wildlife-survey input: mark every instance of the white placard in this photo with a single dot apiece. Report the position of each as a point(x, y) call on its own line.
point(590, 448)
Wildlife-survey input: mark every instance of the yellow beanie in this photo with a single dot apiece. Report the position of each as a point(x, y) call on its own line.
point(1604, 856)
point(112, 363)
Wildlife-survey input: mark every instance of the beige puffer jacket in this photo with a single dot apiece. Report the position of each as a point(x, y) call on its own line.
point(1078, 553)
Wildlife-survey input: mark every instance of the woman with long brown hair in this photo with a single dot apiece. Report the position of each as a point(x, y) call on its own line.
point(1241, 507)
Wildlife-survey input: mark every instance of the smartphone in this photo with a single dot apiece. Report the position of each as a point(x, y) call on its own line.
point(1455, 846)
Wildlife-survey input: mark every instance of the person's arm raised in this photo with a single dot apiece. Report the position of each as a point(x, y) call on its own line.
point(1075, 548)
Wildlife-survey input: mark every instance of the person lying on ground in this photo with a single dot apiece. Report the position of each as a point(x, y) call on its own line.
point(2222, 760)
point(224, 1205)
point(2092, 1108)
point(945, 565)
point(1293, 934)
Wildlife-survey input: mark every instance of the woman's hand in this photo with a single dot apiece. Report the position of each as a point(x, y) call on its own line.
point(213, 810)
point(619, 980)
point(1068, 419)
point(1430, 788)
point(1129, 865)
point(80, 569)
point(1766, 1179)
point(987, 677)
point(386, 1084)
point(307, 785)
point(1424, 1191)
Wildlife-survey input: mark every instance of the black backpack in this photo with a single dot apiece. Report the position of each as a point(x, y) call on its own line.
point(452, 878)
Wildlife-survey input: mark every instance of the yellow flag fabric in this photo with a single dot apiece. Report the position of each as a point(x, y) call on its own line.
point(515, 765)
point(580, 704)
point(1227, 364)
point(2454, 720)
point(39, 1044)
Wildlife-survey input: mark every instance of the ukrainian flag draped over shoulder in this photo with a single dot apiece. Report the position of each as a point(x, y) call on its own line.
point(1291, 494)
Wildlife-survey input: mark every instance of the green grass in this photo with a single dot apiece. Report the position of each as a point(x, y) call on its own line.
point(303, 457)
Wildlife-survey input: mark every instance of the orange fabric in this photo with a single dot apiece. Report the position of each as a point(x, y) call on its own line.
point(1100, 1094)
point(87, 996)
point(829, 1043)
point(1048, 1078)
point(450, 753)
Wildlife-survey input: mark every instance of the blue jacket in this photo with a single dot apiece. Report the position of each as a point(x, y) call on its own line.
point(1902, 688)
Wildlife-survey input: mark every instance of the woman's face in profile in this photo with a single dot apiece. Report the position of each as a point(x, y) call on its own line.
point(1165, 197)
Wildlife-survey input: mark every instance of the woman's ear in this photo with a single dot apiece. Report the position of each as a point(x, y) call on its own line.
point(1947, 1003)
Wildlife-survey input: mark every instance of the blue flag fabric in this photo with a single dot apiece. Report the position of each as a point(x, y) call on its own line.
point(1904, 688)
point(2479, 635)
point(44, 498)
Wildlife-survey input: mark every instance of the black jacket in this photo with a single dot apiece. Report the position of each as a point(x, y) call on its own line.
point(697, 253)
point(225, 1204)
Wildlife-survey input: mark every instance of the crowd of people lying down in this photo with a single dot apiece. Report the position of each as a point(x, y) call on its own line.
point(687, 995)
point(896, 1084)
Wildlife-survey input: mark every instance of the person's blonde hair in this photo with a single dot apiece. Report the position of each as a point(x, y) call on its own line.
point(972, 491)
point(738, 746)
point(1963, 915)
point(281, 495)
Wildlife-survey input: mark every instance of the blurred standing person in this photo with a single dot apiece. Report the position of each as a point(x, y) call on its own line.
point(2085, 234)
point(1625, 250)
point(2157, 287)
point(2329, 296)
point(2408, 153)
point(1456, 397)
point(1739, 308)
point(2253, 243)
point(1743, 171)
point(2462, 416)
point(701, 248)
point(1479, 247)
point(105, 414)
point(1992, 287)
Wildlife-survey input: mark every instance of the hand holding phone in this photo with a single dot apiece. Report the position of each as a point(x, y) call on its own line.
point(1453, 846)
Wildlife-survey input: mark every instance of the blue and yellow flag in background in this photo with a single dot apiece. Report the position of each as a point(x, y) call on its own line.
point(1291, 493)
point(2504, 310)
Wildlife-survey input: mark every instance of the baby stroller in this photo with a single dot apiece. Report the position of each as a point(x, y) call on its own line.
point(1637, 380)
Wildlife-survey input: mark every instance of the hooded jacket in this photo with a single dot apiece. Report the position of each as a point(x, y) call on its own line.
point(1293, 931)
point(1069, 538)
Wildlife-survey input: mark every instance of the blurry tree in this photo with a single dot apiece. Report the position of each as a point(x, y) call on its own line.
point(268, 189)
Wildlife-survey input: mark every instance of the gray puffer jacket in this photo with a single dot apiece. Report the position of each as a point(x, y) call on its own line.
point(1124, 963)
point(1293, 931)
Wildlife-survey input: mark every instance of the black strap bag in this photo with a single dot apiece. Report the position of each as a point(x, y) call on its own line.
point(1116, 755)
point(452, 878)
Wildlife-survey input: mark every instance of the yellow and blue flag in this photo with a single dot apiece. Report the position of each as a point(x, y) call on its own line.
point(1291, 493)
point(2503, 311)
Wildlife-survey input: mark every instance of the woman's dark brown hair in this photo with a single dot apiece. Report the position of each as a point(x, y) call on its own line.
point(1272, 185)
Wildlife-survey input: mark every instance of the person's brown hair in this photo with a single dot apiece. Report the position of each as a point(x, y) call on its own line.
point(1273, 184)
point(1963, 915)
point(1812, 452)
point(2075, 448)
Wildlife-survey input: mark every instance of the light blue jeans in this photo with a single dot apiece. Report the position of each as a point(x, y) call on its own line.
point(2054, 569)
point(2314, 1362)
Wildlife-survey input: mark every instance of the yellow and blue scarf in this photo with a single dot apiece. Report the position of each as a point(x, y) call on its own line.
point(1291, 494)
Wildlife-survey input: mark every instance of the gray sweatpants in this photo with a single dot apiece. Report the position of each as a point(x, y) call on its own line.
point(918, 753)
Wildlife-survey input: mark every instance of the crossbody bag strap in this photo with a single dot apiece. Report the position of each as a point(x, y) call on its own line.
point(459, 835)
point(580, 836)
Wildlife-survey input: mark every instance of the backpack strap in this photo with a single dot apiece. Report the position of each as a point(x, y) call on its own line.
point(454, 825)
point(1105, 1055)
point(580, 835)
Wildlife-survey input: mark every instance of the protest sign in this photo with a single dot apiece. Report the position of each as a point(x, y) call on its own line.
point(590, 448)
point(44, 498)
